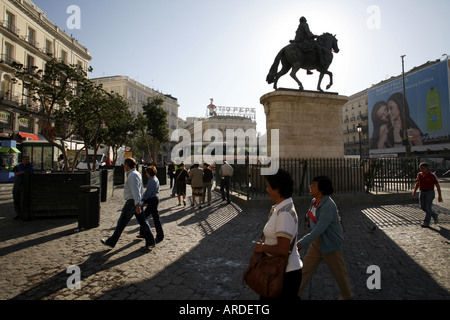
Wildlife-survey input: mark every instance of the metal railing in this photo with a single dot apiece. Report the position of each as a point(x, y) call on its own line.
point(349, 176)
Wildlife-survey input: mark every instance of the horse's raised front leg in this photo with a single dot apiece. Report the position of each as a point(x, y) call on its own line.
point(321, 78)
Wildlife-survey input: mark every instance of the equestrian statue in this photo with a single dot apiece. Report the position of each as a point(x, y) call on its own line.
point(305, 52)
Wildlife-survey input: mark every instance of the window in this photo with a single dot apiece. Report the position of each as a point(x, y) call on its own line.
point(30, 63)
point(11, 23)
point(48, 47)
point(9, 53)
point(31, 37)
point(63, 56)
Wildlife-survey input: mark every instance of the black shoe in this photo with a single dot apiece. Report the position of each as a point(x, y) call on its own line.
point(158, 239)
point(106, 243)
point(146, 249)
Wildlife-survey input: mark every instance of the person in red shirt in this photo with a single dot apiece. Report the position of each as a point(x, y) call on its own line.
point(426, 180)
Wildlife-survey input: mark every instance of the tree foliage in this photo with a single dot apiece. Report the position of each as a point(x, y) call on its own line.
point(70, 103)
point(156, 122)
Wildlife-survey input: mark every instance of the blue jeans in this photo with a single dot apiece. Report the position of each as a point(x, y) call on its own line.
point(127, 213)
point(426, 201)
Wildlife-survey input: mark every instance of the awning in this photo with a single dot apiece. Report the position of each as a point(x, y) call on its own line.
point(9, 150)
point(33, 137)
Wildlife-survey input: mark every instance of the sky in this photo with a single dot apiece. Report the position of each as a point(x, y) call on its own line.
point(197, 50)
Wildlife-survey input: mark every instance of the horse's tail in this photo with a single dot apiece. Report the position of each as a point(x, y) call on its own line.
point(271, 77)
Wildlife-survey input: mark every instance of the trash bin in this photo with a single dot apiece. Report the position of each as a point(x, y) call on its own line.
point(162, 175)
point(89, 214)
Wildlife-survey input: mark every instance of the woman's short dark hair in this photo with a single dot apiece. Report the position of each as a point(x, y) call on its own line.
point(282, 181)
point(151, 171)
point(325, 185)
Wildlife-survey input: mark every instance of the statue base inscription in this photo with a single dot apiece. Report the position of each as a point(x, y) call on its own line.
point(309, 123)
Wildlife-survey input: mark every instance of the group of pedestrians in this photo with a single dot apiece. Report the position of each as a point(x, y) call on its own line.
point(201, 181)
point(135, 197)
point(325, 239)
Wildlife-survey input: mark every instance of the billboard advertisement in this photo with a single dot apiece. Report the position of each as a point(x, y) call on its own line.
point(426, 110)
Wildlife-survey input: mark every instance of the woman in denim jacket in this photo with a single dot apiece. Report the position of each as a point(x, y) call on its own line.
point(325, 239)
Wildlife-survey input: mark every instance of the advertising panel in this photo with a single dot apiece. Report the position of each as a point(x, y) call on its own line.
point(427, 112)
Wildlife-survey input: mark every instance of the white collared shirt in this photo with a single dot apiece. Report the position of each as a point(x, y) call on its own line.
point(283, 223)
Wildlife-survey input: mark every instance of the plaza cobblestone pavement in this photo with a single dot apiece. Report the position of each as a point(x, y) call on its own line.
point(205, 252)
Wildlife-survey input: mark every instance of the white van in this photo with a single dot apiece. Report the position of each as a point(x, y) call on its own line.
point(100, 162)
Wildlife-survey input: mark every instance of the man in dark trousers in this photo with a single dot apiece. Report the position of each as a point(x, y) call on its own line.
point(226, 172)
point(426, 180)
point(18, 189)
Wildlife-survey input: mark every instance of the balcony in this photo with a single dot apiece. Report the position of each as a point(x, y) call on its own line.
point(6, 59)
point(10, 27)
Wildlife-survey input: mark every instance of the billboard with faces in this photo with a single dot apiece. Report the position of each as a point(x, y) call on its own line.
point(425, 111)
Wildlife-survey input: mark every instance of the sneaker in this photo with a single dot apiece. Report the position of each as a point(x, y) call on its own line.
point(184, 203)
point(423, 225)
point(436, 220)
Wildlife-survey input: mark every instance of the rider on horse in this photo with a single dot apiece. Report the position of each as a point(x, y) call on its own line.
point(306, 40)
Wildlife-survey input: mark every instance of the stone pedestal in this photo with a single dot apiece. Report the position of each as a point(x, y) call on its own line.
point(309, 123)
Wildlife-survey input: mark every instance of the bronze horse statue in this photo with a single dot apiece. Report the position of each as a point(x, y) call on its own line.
point(295, 58)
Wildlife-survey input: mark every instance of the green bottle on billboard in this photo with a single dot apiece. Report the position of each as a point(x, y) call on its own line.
point(434, 112)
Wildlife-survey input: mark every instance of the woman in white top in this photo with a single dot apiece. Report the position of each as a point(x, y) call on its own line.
point(281, 231)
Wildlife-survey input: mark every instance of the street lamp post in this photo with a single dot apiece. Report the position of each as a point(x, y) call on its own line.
point(360, 128)
point(405, 125)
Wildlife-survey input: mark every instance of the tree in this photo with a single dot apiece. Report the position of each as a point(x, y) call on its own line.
point(156, 123)
point(88, 113)
point(54, 90)
point(120, 124)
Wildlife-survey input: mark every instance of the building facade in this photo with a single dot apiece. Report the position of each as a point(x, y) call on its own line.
point(355, 115)
point(137, 95)
point(28, 40)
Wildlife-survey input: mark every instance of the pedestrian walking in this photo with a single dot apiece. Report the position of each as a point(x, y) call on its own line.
point(280, 233)
point(19, 184)
point(226, 172)
point(171, 172)
point(196, 176)
point(426, 180)
point(180, 181)
point(207, 182)
point(151, 199)
point(326, 238)
point(132, 192)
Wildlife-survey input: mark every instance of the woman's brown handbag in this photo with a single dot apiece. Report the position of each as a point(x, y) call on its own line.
point(265, 274)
